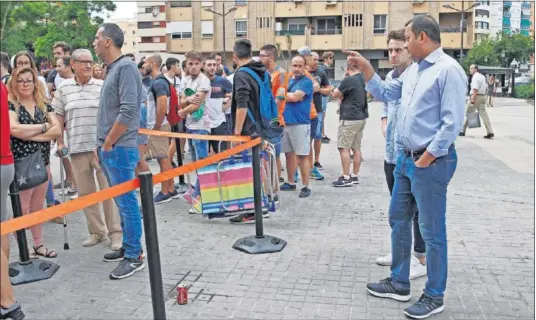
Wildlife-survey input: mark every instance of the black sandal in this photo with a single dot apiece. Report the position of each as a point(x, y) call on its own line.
point(14, 312)
point(48, 254)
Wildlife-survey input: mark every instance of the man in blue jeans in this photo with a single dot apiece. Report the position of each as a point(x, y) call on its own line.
point(118, 122)
point(432, 93)
point(194, 110)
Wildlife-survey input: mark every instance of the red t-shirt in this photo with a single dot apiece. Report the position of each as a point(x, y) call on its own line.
point(6, 157)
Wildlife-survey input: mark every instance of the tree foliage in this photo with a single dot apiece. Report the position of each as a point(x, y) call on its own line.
point(501, 51)
point(35, 26)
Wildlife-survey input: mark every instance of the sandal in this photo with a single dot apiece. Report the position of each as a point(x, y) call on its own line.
point(47, 254)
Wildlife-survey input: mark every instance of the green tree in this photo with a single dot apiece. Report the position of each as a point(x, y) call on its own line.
point(501, 51)
point(37, 25)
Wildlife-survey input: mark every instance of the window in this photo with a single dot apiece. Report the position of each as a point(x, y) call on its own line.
point(296, 29)
point(380, 24)
point(240, 2)
point(325, 26)
point(264, 22)
point(180, 4)
point(419, 14)
point(133, 43)
point(241, 28)
point(207, 29)
point(156, 23)
point(482, 13)
point(145, 25)
point(148, 9)
point(481, 25)
point(181, 35)
point(206, 4)
point(156, 39)
point(353, 20)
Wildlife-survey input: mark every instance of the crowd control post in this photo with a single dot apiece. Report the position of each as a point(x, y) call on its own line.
point(260, 242)
point(182, 185)
point(26, 270)
point(151, 242)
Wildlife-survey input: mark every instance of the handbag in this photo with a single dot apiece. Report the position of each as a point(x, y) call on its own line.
point(30, 171)
point(473, 120)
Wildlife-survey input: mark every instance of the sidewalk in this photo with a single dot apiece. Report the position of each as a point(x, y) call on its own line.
point(333, 239)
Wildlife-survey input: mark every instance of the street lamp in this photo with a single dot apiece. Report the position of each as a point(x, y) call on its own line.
point(223, 15)
point(462, 22)
point(47, 15)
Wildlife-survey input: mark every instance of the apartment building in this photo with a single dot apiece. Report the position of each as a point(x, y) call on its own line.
point(182, 26)
point(511, 16)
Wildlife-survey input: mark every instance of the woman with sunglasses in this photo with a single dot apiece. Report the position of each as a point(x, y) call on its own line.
point(33, 125)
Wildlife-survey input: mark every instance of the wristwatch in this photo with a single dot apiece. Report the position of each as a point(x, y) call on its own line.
point(43, 128)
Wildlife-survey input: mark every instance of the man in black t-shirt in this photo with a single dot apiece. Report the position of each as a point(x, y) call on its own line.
point(353, 117)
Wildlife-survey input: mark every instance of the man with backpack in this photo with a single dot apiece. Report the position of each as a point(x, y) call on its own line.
point(160, 94)
point(251, 92)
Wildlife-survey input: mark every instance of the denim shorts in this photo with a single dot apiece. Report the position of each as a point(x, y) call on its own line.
point(200, 147)
point(316, 127)
point(142, 138)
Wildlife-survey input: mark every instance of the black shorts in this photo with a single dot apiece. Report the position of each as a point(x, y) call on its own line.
point(217, 145)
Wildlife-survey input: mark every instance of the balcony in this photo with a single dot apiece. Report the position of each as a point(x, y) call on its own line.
point(297, 42)
point(294, 32)
point(507, 4)
point(506, 23)
point(151, 46)
point(151, 32)
point(453, 41)
point(478, 30)
point(454, 4)
point(161, 16)
point(326, 42)
point(507, 14)
point(525, 5)
point(327, 32)
point(290, 9)
point(181, 45)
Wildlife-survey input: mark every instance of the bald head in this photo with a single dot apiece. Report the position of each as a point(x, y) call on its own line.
point(152, 65)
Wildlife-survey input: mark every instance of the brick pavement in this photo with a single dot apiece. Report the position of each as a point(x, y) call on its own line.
point(333, 239)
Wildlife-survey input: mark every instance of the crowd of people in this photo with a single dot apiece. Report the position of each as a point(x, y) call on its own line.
point(97, 110)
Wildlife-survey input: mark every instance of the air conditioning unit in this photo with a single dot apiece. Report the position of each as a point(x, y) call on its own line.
point(331, 2)
point(156, 10)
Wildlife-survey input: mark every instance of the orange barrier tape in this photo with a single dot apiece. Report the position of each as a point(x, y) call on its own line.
point(47, 214)
point(194, 136)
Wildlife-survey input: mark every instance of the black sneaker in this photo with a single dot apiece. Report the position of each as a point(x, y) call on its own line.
point(386, 289)
point(461, 134)
point(305, 192)
point(342, 182)
point(13, 312)
point(354, 180)
point(126, 268)
point(424, 307)
point(247, 218)
point(118, 255)
point(287, 187)
point(318, 166)
point(325, 139)
point(489, 136)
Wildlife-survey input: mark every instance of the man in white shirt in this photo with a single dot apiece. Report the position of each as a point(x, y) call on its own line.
point(477, 101)
point(173, 74)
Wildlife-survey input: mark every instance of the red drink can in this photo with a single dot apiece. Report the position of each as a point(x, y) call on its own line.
point(182, 294)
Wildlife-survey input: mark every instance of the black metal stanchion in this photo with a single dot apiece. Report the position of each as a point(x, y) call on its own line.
point(26, 270)
point(151, 242)
point(182, 187)
point(259, 243)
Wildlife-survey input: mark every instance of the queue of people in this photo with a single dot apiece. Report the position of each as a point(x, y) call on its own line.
point(422, 114)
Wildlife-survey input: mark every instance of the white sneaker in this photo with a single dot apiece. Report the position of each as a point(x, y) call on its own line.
point(385, 261)
point(416, 269)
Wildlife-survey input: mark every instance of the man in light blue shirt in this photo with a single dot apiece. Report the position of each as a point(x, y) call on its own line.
point(432, 93)
point(400, 59)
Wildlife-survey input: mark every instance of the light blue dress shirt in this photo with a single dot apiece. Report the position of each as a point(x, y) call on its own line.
point(390, 111)
point(432, 108)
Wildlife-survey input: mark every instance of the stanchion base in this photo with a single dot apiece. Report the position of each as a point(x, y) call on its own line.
point(254, 245)
point(36, 270)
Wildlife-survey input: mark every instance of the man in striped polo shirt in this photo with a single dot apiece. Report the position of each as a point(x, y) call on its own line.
point(76, 103)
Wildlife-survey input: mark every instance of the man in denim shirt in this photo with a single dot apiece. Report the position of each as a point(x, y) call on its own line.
point(400, 59)
point(432, 94)
point(118, 122)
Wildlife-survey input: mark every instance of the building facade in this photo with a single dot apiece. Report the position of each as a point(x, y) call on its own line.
point(511, 17)
point(130, 29)
point(182, 26)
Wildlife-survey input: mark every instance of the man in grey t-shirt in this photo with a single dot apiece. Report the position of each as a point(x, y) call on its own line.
point(118, 122)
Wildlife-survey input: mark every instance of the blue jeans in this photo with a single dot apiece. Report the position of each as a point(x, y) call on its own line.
point(50, 194)
point(118, 166)
point(200, 151)
point(424, 189)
